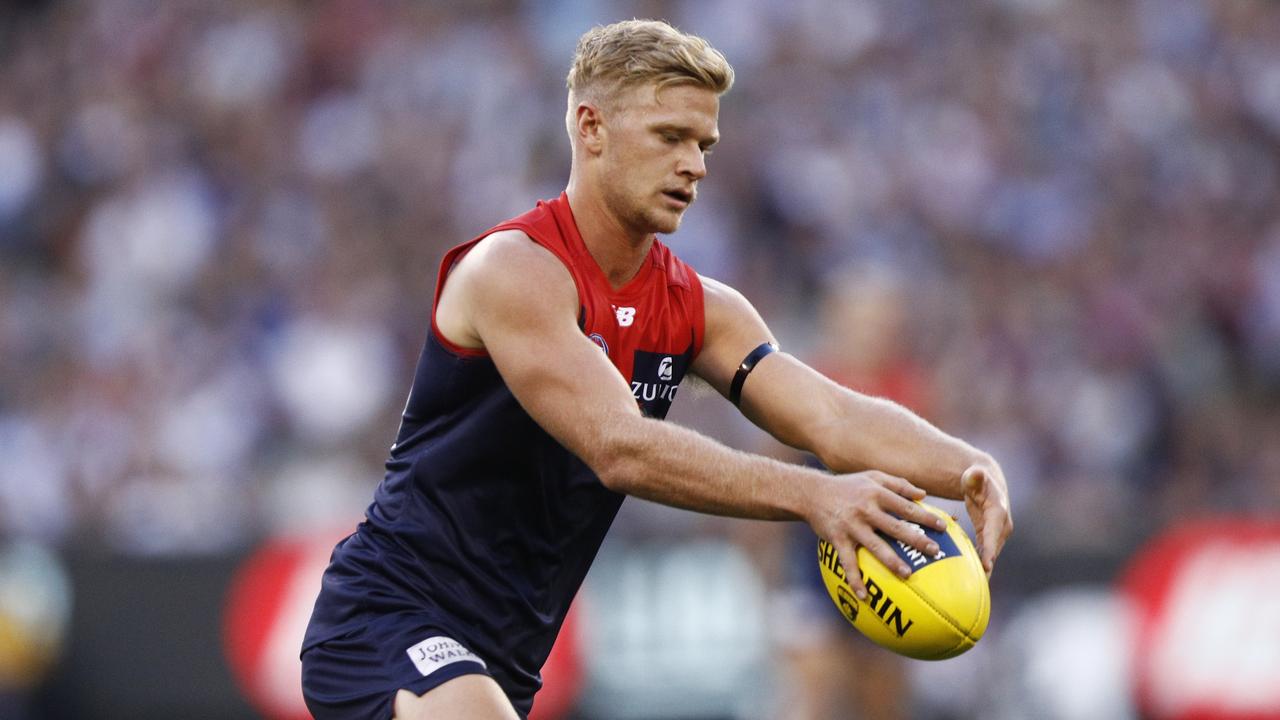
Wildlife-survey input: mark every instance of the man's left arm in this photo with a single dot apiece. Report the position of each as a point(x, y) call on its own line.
point(848, 431)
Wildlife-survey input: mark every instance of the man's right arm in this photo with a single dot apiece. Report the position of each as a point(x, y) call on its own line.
point(513, 298)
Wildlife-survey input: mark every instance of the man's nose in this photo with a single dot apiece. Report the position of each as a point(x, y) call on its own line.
point(693, 164)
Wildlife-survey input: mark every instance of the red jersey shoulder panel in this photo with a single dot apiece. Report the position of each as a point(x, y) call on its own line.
point(540, 225)
point(651, 329)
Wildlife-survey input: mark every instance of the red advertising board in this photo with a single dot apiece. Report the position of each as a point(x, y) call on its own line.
point(1206, 597)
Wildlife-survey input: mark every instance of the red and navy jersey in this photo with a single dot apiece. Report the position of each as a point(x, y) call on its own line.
point(650, 328)
point(484, 523)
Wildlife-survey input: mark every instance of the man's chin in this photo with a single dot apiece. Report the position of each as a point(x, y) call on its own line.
point(661, 222)
point(668, 222)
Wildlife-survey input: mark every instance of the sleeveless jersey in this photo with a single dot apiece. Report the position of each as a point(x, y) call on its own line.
point(484, 522)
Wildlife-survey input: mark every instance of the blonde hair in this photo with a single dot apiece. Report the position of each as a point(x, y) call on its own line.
point(633, 52)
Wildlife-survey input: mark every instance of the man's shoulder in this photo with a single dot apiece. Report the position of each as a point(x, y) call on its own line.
point(511, 253)
point(723, 302)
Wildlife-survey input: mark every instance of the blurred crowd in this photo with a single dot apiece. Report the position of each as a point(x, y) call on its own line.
point(1051, 227)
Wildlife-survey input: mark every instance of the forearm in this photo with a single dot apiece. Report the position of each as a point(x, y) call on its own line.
point(679, 467)
point(867, 432)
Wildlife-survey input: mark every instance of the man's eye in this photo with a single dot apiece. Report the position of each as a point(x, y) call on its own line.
point(671, 138)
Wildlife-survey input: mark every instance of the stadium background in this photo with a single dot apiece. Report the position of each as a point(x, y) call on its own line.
point(1050, 227)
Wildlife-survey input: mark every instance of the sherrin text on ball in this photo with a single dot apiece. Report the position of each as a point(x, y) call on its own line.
point(938, 612)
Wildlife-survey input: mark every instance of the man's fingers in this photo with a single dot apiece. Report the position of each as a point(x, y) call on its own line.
point(974, 481)
point(911, 534)
point(900, 503)
point(986, 553)
point(915, 512)
point(996, 528)
point(990, 514)
point(908, 528)
point(991, 529)
point(901, 486)
point(852, 575)
point(881, 550)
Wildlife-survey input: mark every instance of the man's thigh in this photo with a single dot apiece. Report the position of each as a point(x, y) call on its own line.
point(467, 697)
point(360, 674)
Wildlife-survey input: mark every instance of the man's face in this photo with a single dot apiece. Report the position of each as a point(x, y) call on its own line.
point(655, 151)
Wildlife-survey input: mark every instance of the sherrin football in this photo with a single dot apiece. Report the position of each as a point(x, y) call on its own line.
point(938, 612)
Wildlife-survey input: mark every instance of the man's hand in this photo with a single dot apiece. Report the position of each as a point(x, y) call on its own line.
point(986, 497)
point(849, 509)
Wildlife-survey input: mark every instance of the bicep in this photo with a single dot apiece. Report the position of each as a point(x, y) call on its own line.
point(522, 305)
point(781, 395)
point(733, 329)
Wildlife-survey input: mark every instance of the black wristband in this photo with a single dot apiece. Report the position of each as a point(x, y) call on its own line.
point(748, 364)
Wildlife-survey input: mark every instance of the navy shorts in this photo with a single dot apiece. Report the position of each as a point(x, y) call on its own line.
point(358, 674)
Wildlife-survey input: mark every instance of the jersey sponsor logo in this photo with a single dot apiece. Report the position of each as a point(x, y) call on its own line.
point(435, 652)
point(626, 315)
point(648, 392)
point(655, 379)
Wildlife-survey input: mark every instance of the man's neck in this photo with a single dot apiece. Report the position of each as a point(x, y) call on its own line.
point(619, 252)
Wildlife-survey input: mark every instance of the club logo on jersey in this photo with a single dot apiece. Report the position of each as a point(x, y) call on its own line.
point(655, 378)
point(598, 339)
point(626, 315)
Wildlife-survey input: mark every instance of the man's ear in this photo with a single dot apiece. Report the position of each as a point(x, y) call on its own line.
point(589, 126)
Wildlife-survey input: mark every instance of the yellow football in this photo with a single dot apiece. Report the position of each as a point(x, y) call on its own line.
point(938, 612)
